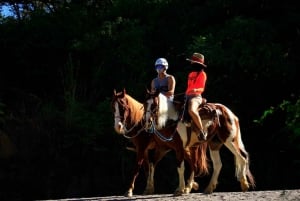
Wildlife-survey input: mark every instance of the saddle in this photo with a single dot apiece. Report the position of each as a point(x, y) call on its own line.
point(206, 111)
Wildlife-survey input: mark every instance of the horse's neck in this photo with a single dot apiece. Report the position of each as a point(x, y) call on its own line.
point(136, 109)
point(166, 112)
point(172, 112)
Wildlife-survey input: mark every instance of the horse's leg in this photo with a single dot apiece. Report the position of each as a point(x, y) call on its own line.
point(129, 192)
point(136, 170)
point(159, 154)
point(139, 162)
point(150, 180)
point(197, 159)
point(181, 186)
point(217, 165)
point(241, 164)
point(191, 184)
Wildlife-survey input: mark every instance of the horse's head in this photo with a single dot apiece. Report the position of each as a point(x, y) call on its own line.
point(159, 109)
point(120, 110)
point(151, 106)
point(128, 112)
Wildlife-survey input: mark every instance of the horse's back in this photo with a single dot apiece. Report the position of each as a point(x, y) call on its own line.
point(224, 110)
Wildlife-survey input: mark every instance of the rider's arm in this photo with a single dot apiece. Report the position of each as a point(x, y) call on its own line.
point(171, 86)
point(153, 89)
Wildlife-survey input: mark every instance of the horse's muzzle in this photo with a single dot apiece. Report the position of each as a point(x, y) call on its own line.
point(119, 128)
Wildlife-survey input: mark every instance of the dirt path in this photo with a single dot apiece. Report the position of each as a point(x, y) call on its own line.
point(278, 195)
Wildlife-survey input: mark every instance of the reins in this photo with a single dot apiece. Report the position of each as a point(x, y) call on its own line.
point(152, 128)
point(161, 136)
point(137, 133)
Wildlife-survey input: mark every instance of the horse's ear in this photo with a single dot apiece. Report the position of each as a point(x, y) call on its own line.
point(115, 92)
point(148, 91)
point(124, 91)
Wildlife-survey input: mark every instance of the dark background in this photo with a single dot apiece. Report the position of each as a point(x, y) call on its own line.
point(60, 63)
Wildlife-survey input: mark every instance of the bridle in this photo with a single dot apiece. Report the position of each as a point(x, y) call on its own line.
point(153, 110)
point(124, 108)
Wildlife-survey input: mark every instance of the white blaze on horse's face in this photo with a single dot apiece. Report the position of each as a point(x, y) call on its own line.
point(119, 127)
point(148, 112)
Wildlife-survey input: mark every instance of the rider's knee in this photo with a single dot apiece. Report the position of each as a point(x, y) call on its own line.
point(192, 112)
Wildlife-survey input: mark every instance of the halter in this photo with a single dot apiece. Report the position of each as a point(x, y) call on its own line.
point(124, 105)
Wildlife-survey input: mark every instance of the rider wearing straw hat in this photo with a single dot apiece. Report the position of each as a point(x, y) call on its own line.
point(195, 87)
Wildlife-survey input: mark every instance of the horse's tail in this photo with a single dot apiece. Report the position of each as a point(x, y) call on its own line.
point(200, 159)
point(249, 175)
point(245, 154)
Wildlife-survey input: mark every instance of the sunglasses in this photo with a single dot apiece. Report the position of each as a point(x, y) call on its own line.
point(158, 67)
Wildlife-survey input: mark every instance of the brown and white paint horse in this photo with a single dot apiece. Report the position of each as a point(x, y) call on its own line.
point(128, 121)
point(222, 126)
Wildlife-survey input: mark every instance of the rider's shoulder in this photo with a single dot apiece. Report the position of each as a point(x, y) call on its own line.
point(170, 76)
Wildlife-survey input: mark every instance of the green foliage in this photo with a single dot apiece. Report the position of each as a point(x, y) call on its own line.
point(72, 55)
point(77, 113)
point(265, 115)
point(234, 42)
point(233, 59)
point(289, 113)
point(293, 119)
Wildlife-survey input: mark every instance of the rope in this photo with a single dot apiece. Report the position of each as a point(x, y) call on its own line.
point(179, 94)
point(161, 136)
point(128, 131)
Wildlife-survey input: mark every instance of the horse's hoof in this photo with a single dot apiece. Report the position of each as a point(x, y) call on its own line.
point(148, 192)
point(178, 193)
point(128, 194)
point(245, 187)
point(208, 191)
point(187, 190)
point(195, 186)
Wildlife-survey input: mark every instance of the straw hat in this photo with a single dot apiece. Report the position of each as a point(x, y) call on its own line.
point(197, 58)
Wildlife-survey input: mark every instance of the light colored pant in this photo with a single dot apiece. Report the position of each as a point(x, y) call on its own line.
point(194, 103)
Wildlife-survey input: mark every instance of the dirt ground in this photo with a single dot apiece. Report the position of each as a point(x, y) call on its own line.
point(278, 195)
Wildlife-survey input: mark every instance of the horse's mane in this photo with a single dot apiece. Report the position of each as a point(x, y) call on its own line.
point(136, 108)
point(166, 111)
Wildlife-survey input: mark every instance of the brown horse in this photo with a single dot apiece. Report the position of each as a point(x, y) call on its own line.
point(128, 118)
point(128, 121)
point(222, 126)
